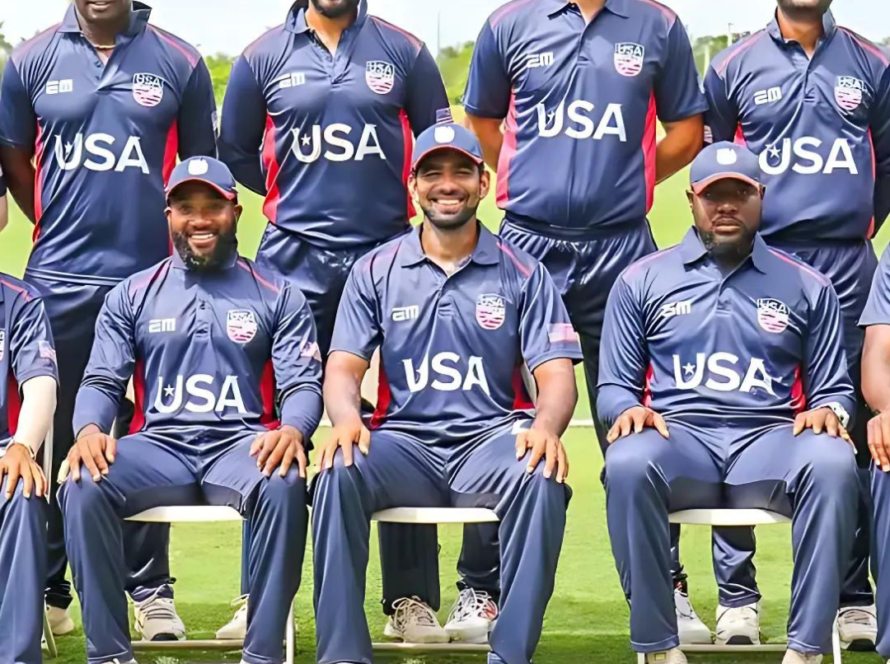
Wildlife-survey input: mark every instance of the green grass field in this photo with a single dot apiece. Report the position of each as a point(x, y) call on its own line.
point(587, 619)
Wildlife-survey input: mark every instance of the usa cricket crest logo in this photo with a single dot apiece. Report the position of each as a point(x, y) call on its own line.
point(380, 76)
point(848, 92)
point(772, 315)
point(148, 89)
point(629, 58)
point(491, 310)
point(241, 325)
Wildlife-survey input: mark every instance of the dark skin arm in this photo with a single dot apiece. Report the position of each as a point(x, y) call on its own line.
point(557, 396)
point(488, 131)
point(876, 390)
point(683, 140)
point(18, 170)
point(342, 398)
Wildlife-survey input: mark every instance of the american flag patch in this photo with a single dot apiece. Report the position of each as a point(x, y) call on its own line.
point(772, 315)
point(561, 333)
point(444, 116)
point(46, 351)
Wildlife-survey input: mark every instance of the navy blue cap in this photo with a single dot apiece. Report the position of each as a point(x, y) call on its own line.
point(446, 137)
point(722, 161)
point(208, 170)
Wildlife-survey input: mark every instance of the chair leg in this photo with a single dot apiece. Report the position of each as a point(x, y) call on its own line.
point(290, 646)
point(836, 643)
point(52, 651)
point(641, 658)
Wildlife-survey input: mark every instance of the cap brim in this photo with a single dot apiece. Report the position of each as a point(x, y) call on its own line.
point(699, 187)
point(440, 148)
point(228, 195)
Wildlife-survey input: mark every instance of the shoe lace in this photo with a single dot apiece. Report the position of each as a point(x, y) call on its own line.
point(158, 608)
point(411, 609)
point(473, 603)
point(857, 616)
point(241, 603)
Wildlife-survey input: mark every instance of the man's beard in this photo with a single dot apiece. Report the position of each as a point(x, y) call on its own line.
point(450, 222)
point(808, 14)
point(732, 252)
point(226, 245)
point(339, 10)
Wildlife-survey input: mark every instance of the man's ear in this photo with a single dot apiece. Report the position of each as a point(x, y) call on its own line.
point(238, 210)
point(412, 186)
point(690, 197)
point(485, 183)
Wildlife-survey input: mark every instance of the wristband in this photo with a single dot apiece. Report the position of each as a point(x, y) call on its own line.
point(840, 411)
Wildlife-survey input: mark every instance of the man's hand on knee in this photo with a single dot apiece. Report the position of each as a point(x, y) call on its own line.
point(18, 464)
point(879, 440)
point(94, 450)
point(634, 420)
point(279, 449)
point(819, 420)
point(346, 436)
point(543, 445)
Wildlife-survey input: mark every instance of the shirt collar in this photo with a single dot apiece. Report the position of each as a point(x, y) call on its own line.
point(829, 26)
point(554, 7)
point(487, 251)
point(296, 18)
point(692, 250)
point(138, 19)
point(179, 264)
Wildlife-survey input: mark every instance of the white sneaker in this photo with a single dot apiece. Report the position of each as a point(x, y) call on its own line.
point(472, 617)
point(672, 656)
point(414, 622)
point(739, 626)
point(117, 661)
point(690, 627)
point(157, 620)
point(59, 621)
point(858, 627)
point(236, 628)
point(794, 657)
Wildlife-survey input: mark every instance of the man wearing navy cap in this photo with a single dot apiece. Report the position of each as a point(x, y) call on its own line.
point(456, 313)
point(214, 344)
point(724, 382)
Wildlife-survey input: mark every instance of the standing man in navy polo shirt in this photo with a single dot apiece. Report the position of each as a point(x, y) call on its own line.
point(812, 99)
point(456, 313)
point(724, 382)
point(319, 117)
point(565, 98)
point(94, 112)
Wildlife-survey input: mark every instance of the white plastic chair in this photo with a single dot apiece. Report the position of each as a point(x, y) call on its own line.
point(204, 514)
point(739, 517)
point(434, 515)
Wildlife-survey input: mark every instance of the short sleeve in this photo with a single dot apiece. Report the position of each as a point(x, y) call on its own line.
point(31, 347)
point(488, 86)
point(678, 94)
point(18, 122)
point(358, 326)
point(545, 330)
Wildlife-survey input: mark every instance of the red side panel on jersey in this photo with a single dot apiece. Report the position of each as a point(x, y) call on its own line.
point(139, 394)
point(521, 399)
point(171, 149)
point(740, 137)
point(798, 398)
point(267, 392)
point(39, 148)
point(508, 153)
point(384, 398)
point(649, 147)
point(647, 390)
point(271, 166)
point(14, 403)
point(408, 143)
point(874, 174)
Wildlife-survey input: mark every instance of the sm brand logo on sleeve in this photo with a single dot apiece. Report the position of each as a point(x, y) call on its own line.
point(448, 375)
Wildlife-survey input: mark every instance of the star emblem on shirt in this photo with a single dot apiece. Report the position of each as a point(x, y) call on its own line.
point(307, 139)
point(774, 152)
point(68, 147)
point(689, 368)
point(169, 391)
point(551, 115)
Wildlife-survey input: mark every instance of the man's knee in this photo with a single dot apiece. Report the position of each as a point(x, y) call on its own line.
point(32, 507)
point(340, 479)
point(831, 464)
point(632, 460)
point(82, 496)
point(289, 490)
